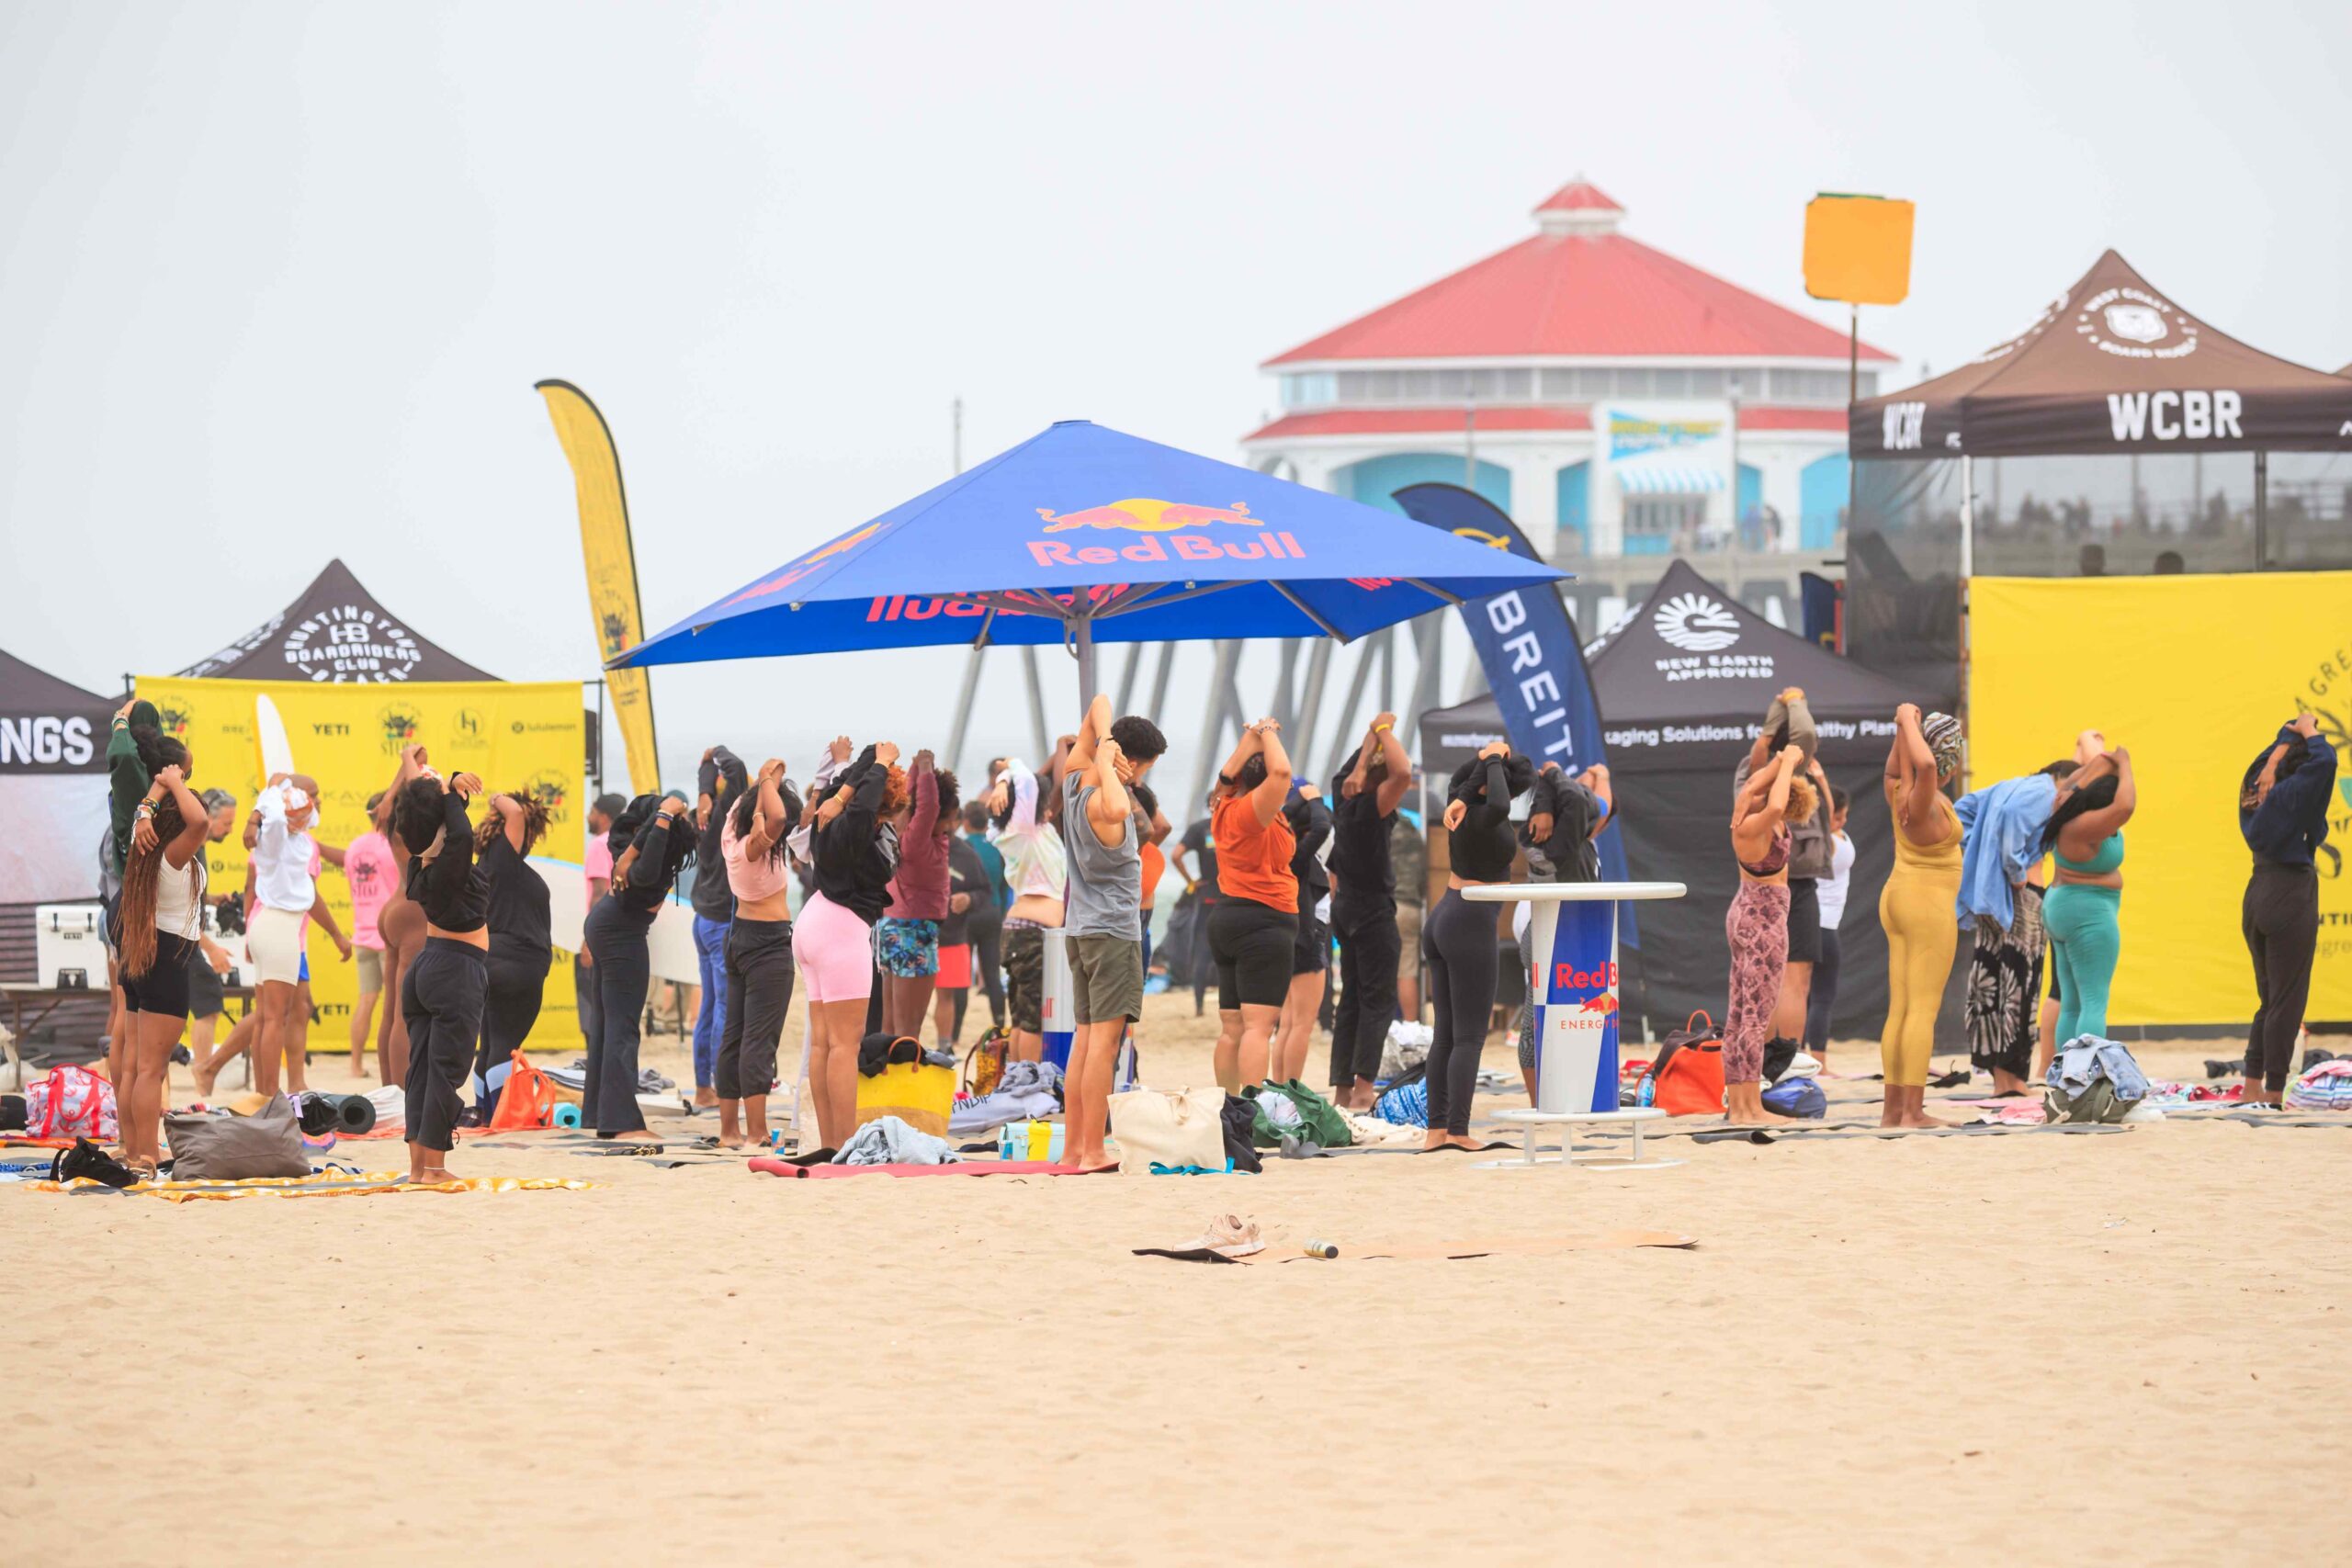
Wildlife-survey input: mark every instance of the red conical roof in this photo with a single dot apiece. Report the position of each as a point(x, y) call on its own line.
point(1578, 195)
point(1579, 289)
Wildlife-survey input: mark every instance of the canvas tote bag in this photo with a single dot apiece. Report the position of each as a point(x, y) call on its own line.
point(1184, 1128)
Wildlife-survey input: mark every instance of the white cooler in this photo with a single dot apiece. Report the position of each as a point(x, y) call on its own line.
point(68, 952)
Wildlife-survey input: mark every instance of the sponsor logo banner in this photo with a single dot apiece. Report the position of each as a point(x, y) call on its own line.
point(517, 737)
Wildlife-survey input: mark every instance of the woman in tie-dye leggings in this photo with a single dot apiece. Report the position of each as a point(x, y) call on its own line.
point(1758, 924)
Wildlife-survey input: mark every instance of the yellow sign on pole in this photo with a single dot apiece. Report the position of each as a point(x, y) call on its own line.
point(1858, 249)
point(612, 568)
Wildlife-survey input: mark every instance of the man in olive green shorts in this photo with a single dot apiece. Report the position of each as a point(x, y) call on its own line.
point(1103, 920)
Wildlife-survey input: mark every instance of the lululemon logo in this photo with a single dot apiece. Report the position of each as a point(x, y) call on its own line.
point(1695, 620)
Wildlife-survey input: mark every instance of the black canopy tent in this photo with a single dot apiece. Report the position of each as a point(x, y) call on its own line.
point(53, 797)
point(334, 630)
point(1683, 683)
point(2114, 366)
point(2111, 369)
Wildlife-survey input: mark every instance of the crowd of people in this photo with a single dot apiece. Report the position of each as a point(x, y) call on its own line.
point(889, 897)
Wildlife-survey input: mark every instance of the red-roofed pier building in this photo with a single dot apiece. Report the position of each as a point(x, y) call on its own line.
point(1601, 388)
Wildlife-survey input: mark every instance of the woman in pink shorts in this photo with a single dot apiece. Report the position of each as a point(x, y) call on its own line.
point(854, 848)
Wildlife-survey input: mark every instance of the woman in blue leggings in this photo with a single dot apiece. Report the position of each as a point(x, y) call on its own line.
point(2082, 911)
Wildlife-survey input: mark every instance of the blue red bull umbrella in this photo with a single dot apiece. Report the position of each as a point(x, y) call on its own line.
point(1084, 535)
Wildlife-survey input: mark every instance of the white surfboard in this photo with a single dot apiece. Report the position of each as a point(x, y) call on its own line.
point(269, 734)
point(670, 945)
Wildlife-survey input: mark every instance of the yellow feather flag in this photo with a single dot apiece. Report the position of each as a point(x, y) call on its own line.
point(612, 568)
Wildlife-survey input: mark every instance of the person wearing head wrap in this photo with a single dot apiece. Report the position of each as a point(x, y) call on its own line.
point(1916, 906)
point(1942, 734)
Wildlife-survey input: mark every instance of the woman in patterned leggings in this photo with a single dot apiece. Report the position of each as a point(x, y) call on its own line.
point(1757, 925)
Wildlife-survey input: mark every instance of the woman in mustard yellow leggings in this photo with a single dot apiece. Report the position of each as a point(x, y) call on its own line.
point(1917, 907)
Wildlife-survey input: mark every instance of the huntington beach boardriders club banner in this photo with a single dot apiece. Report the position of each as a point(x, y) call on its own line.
point(518, 737)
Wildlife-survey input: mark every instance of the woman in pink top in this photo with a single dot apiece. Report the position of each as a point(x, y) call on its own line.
point(758, 955)
point(368, 867)
point(907, 938)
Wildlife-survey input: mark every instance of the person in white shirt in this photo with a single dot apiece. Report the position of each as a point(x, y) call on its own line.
point(1833, 889)
point(278, 839)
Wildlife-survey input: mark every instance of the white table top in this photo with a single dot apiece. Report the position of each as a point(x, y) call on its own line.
point(1622, 1113)
point(1571, 892)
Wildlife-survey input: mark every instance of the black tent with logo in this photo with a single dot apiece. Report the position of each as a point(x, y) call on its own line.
point(2111, 366)
point(1683, 683)
point(334, 630)
point(53, 797)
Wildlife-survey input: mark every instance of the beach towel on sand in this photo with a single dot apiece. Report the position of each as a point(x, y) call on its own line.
point(768, 1165)
point(887, 1140)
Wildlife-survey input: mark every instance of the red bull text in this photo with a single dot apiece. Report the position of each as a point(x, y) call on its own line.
point(1140, 514)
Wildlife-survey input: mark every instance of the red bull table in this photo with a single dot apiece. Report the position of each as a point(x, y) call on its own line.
point(1571, 943)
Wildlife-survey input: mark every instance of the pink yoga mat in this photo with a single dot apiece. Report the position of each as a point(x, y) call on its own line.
point(773, 1167)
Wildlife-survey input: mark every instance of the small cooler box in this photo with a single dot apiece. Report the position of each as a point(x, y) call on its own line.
point(67, 950)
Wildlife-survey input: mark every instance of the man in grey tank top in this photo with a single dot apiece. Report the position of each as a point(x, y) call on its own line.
point(1102, 918)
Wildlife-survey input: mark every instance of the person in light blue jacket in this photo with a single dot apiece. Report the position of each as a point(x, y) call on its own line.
point(2000, 903)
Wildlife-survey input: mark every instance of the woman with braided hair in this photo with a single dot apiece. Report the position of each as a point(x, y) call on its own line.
point(159, 921)
point(521, 939)
point(136, 749)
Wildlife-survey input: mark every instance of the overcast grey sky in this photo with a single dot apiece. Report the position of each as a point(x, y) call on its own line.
point(276, 280)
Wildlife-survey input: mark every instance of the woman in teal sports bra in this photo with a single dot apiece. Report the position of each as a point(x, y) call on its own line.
point(2082, 911)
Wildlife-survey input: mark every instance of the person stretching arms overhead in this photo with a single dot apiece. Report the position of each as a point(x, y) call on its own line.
point(1102, 921)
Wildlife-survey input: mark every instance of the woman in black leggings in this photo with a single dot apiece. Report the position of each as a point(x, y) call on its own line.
point(649, 846)
point(2282, 812)
point(1458, 940)
point(759, 953)
point(521, 941)
point(441, 992)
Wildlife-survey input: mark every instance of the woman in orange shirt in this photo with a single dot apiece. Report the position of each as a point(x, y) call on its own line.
point(1255, 924)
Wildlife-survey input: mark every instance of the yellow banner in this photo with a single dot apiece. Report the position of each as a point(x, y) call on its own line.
point(349, 736)
point(2194, 675)
point(612, 569)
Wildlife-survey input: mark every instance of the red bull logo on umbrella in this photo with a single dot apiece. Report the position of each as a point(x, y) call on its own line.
point(1151, 518)
point(803, 566)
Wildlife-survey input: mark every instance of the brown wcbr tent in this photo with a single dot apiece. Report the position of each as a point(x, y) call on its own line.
point(334, 630)
point(2111, 366)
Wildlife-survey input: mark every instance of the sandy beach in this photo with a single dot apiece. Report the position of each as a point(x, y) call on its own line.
point(2012, 1349)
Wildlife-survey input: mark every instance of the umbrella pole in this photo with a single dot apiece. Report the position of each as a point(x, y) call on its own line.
point(1082, 634)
